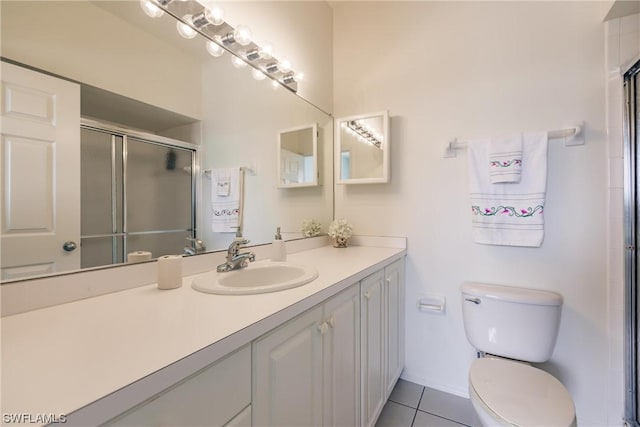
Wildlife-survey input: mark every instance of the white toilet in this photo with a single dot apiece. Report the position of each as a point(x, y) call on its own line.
point(513, 326)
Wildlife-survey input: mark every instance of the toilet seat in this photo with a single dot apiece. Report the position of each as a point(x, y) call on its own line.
point(520, 395)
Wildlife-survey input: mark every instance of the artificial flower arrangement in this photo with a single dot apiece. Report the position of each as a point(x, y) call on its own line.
point(311, 228)
point(340, 230)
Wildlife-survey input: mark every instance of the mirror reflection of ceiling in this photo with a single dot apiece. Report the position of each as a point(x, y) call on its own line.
point(138, 72)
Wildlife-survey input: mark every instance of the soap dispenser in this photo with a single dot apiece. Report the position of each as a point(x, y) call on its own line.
point(278, 251)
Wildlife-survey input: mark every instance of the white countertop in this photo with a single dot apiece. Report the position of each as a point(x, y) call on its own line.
point(58, 359)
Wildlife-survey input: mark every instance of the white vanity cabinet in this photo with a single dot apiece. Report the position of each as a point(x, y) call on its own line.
point(306, 372)
point(218, 395)
point(382, 335)
point(395, 318)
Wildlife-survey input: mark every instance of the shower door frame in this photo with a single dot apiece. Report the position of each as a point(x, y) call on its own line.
point(125, 133)
point(631, 199)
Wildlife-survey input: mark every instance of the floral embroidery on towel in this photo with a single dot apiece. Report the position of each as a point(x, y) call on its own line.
point(507, 210)
point(499, 164)
point(225, 212)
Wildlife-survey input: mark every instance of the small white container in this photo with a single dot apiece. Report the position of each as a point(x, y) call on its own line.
point(278, 249)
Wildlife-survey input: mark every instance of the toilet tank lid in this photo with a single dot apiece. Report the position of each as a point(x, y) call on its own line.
point(511, 294)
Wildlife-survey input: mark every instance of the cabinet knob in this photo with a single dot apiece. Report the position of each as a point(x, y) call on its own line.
point(367, 295)
point(331, 321)
point(322, 328)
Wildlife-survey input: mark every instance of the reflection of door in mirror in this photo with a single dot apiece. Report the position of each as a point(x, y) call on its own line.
point(39, 186)
point(137, 195)
point(297, 157)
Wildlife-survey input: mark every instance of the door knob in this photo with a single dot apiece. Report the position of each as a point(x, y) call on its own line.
point(69, 246)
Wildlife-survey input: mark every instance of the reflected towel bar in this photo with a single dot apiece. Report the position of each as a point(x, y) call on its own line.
point(571, 136)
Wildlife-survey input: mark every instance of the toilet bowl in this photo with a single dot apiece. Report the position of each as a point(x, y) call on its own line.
point(508, 393)
point(514, 327)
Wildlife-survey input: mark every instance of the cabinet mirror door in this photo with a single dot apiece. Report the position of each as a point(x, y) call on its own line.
point(298, 157)
point(362, 149)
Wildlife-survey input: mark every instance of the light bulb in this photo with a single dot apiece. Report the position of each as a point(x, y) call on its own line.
point(185, 30)
point(266, 51)
point(216, 15)
point(242, 35)
point(299, 76)
point(214, 49)
point(284, 65)
point(237, 62)
point(257, 74)
point(151, 9)
point(208, 16)
point(275, 84)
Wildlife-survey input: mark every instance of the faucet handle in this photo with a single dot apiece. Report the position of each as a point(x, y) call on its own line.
point(241, 241)
point(198, 244)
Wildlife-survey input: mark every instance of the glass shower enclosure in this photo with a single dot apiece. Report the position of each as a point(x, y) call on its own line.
point(632, 238)
point(137, 194)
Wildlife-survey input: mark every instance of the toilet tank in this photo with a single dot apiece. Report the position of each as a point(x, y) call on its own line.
point(517, 323)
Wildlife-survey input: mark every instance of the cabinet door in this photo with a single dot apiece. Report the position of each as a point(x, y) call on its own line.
point(373, 347)
point(394, 289)
point(210, 397)
point(287, 374)
point(342, 359)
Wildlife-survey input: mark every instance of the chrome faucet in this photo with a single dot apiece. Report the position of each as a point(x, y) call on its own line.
point(197, 247)
point(236, 259)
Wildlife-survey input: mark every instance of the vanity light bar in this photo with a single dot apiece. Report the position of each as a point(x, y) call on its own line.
point(237, 40)
point(364, 133)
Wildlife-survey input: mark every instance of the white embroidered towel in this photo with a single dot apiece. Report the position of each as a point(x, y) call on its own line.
point(225, 209)
point(509, 214)
point(223, 184)
point(505, 159)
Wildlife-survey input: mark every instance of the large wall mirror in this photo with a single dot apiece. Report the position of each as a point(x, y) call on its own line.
point(362, 149)
point(175, 106)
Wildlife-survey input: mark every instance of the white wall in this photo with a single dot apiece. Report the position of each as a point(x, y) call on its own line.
point(477, 69)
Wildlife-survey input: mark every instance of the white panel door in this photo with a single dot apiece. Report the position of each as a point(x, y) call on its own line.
point(287, 373)
point(394, 282)
point(40, 178)
point(373, 347)
point(342, 359)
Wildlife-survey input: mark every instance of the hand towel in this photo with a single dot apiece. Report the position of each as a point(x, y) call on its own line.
point(509, 214)
point(225, 200)
point(223, 184)
point(505, 159)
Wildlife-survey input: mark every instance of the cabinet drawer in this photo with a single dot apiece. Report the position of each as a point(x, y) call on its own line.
point(211, 397)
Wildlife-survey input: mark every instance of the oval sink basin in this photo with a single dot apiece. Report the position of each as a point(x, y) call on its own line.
point(258, 277)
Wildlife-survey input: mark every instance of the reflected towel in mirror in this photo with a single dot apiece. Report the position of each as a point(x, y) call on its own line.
point(225, 200)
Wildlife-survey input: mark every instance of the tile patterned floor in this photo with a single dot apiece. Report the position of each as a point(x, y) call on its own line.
point(412, 405)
